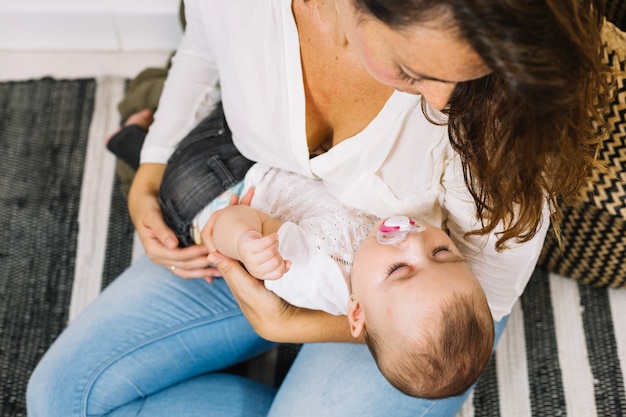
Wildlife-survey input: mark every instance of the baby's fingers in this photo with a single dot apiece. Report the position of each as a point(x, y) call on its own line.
point(273, 269)
point(260, 245)
point(247, 198)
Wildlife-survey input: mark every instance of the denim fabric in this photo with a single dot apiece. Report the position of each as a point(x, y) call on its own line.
point(204, 165)
point(338, 379)
point(153, 344)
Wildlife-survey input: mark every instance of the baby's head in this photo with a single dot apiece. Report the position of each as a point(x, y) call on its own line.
point(422, 311)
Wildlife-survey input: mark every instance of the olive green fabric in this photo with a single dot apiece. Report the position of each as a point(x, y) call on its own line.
point(143, 92)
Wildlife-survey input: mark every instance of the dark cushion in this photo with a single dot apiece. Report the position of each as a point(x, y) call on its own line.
point(594, 234)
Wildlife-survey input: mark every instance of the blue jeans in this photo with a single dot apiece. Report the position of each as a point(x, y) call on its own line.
point(205, 164)
point(153, 344)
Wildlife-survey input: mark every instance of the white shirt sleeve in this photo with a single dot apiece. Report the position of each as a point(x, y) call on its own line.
point(503, 275)
point(314, 280)
point(190, 93)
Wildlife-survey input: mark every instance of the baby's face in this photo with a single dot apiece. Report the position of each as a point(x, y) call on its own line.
point(390, 281)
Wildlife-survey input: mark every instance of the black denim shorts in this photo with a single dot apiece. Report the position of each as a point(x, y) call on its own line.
point(204, 165)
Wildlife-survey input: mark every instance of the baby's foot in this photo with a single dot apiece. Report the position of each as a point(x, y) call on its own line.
point(142, 118)
point(127, 142)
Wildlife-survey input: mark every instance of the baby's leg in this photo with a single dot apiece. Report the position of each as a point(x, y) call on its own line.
point(204, 165)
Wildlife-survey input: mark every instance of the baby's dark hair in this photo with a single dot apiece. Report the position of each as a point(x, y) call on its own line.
point(438, 363)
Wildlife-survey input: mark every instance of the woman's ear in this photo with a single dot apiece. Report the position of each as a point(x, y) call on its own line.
point(356, 316)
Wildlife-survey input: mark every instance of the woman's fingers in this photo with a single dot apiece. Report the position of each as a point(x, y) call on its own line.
point(161, 246)
point(207, 231)
point(152, 228)
point(267, 313)
point(243, 285)
point(208, 272)
point(165, 235)
point(247, 198)
point(190, 262)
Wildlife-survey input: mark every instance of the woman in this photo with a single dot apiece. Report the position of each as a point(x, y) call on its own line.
point(359, 84)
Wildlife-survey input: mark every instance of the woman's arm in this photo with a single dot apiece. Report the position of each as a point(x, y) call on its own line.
point(273, 318)
point(191, 90)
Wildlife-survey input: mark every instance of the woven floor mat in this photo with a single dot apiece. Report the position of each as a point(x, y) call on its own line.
point(44, 130)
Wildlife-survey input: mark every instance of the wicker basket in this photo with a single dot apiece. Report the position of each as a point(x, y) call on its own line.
point(594, 234)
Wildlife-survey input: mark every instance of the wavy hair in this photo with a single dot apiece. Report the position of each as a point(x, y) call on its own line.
point(443, 354)
point(530, 130)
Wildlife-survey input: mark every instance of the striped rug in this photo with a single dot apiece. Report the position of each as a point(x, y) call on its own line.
point(66, 234)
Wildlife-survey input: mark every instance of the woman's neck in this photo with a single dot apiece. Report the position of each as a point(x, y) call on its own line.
point(325, 16)
point(341, 97)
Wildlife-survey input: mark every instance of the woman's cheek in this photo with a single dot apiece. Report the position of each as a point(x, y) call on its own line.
point(383, 75)
point(376, 67)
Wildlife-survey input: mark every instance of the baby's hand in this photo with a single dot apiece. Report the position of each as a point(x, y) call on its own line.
point(260, 255)
point(206, 234)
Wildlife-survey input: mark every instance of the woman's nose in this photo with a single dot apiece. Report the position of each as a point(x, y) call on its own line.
point(437, 94)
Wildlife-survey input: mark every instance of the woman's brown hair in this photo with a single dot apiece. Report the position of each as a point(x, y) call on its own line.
point(528, 131)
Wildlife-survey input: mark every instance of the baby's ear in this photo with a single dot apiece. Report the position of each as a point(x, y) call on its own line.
point(356, 316)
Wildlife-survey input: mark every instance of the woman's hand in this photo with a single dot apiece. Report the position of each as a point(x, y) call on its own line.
point(159, 241)
point(272, 317)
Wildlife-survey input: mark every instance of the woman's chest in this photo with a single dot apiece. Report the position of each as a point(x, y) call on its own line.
point(341, 98)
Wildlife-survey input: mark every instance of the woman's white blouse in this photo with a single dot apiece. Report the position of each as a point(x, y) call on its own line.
point(246, 54)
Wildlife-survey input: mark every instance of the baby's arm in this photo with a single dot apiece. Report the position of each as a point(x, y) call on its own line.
point(249, 235)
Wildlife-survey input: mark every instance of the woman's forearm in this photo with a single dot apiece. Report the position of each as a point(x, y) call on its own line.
point(307, 326)
point(145, 186)
point(272, 317)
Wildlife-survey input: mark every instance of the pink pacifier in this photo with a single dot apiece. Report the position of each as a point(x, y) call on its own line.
point(396, 229)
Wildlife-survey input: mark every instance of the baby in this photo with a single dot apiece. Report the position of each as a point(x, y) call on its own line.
point(403, 284)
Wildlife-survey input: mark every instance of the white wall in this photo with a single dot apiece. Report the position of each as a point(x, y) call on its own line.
point(89, 25)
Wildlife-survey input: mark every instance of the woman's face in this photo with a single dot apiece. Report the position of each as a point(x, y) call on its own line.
point(426, 59)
